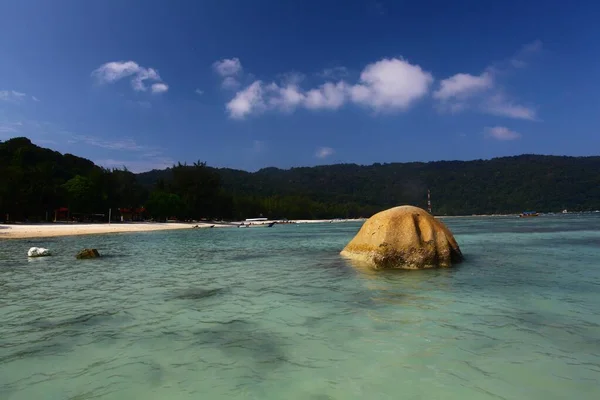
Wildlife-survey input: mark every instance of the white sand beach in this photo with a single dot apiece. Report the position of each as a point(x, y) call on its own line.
point(23, 231)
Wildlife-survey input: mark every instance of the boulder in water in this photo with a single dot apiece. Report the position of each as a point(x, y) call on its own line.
point(87, 253)
point(404, 237)
point(38, 252)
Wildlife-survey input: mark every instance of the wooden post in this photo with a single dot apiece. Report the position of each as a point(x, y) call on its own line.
point(109, 215)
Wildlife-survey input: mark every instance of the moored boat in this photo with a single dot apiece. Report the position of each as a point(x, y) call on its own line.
point(528, 214)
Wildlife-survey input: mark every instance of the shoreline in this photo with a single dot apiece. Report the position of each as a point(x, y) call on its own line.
point(45, 230)
point(58, 229)
point(50, 229)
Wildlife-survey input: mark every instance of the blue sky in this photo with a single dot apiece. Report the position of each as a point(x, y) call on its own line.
point(251, 84)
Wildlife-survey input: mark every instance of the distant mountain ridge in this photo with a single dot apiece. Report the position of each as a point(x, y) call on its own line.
point(499, 185)
point(34, 181)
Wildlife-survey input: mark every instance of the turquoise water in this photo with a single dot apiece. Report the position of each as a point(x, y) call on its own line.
point(277, 314)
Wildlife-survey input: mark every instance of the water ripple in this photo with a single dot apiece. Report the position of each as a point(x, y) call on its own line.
point(276, 313)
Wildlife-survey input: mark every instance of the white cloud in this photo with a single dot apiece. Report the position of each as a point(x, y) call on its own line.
point(159, 87)
point(228, 67)
point(11, 96)
point(324, 152)
point(230, 83)
point(199, 92)
point(389, 84)
point(499, 105)
point(34, 98)
point(114, 71)
point(144, 74)
point(502, 133)
point(247, 101)
point(327, 96)
point(463, 85)
point(285, 98)
point(481, 92)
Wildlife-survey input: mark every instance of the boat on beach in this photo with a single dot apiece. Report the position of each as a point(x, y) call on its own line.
point(255, 225)
point(528, 214)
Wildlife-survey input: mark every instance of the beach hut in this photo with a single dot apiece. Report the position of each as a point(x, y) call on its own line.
point(61, 214)
point(132, 214)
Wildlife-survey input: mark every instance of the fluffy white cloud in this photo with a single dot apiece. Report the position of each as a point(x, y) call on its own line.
point(247, 101)
point(324, 152)
point(389, 84)
point(327, 96)
point(11, 96)
point(144, 74)
point(228, 67)
point(502, 133)
point(285, 98)
point(114, 71)
point(199, 92)
point(463, 85)
point(159, 88)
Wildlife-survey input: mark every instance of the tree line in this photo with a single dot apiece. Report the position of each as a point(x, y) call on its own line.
point(34, 182)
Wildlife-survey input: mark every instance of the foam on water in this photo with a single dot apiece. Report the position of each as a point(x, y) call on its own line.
point(278, 314)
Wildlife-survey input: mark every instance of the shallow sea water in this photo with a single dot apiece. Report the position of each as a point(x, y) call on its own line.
point(278, 314)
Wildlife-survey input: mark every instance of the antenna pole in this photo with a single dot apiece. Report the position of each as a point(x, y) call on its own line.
point(429, 201)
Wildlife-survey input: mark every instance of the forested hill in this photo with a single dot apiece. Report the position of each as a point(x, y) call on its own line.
point(500, 185)
point(34, 182)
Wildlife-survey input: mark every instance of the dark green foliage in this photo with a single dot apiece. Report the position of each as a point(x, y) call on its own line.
point(36, 181)
point(500, 185)
point(162, 205)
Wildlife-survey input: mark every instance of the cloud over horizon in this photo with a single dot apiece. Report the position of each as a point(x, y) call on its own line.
point(501, 133)
point(324, 152)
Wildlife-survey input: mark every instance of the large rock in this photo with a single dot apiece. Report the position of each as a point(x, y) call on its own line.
point(87, 253)
point(404, 237)
point(38, 252)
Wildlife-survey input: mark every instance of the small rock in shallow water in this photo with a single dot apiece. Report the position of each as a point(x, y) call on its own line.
point(38, 252)
point(87, 253)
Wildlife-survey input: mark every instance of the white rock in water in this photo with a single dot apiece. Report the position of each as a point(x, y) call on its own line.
point(38, 252)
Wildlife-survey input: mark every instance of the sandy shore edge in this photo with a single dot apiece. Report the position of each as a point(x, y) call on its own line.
point(28, 231)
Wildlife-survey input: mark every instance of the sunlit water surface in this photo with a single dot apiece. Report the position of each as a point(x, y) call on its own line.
point(277, 314)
